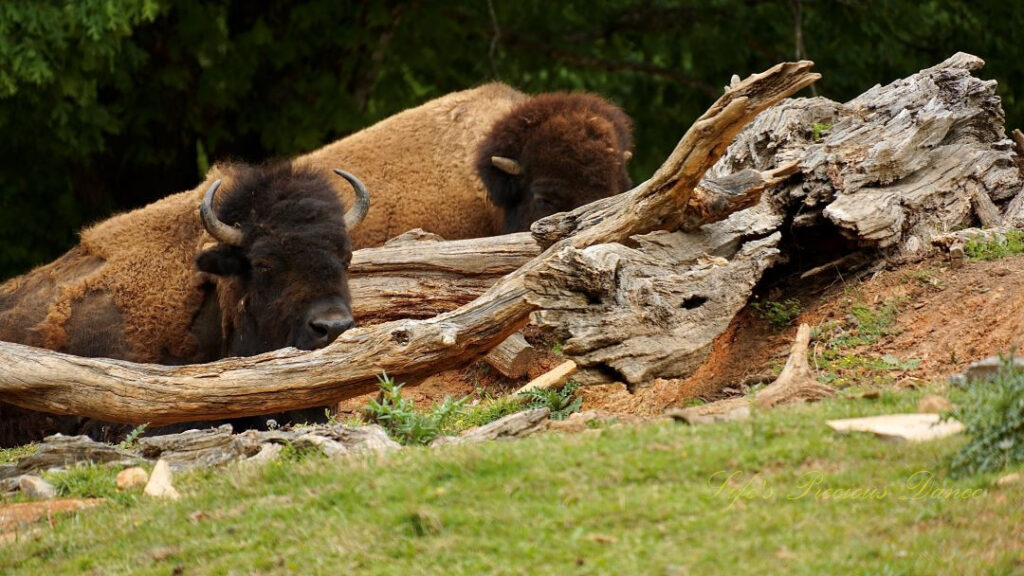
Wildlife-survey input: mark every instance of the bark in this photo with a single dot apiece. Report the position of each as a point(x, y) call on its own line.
point(892, 168)
point(289, 379)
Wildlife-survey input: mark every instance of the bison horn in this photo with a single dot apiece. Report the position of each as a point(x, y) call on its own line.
point(356, 214)
point(219, 230)
point(507, 165)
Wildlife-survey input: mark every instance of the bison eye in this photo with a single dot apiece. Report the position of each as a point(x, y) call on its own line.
point(264, 267)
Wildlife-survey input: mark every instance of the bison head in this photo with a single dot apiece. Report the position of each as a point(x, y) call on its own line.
point(553, 153)
point(281, 259)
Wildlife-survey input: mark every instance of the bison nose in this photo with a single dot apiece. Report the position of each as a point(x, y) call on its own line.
point(324, 330)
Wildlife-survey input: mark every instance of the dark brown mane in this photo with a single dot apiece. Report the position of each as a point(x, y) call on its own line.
point(572, 148)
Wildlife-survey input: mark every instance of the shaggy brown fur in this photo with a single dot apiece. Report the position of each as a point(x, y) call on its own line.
point(572, 151)
point(130, 289)
point(418, 166)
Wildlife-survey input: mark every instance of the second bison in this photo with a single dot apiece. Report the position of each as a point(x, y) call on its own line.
point(484, 162)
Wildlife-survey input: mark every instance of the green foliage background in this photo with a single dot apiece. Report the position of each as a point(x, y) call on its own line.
point(106, 105)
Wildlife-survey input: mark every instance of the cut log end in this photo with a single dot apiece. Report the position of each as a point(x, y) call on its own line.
point(512, 357)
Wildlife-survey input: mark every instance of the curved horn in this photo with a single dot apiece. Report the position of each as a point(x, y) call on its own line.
point(356, 214)
point(507, 165)
point(219, 230)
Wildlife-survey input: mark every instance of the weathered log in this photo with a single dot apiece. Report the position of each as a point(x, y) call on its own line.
point(512, 357)
point(420, 276)
point(893, 167)
point(289, 379)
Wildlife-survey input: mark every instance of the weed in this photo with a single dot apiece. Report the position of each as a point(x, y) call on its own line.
point(12, 455)
point(407, 425)
point(561, 402)
point(779, 314)
point(993, 414)
point(556, 349)
point(818, 129)
point(129, 441)
point(1011, 243)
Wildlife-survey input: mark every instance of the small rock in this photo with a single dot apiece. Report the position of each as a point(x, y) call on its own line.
point(933, 404)
point(36, 488)
point(1010, 479)
point(575, 423)
point(131, 477)
point(901, 427)
point(987, 368)
point(159, 485)
point(327, 446)
point(268, 453)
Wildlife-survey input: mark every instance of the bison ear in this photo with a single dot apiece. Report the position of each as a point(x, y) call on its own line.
point(222, 260)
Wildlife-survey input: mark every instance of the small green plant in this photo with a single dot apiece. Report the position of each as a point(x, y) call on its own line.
point(993, 414)
point(488, 411)
point(404, 422)
point(779, 314)
point(1012, 243)
point(89, 481)
point(556, 349)
point(818, 129)
point(133, 437)
point(561, 402)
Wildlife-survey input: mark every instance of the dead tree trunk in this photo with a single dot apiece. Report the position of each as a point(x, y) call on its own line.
point(289, 379)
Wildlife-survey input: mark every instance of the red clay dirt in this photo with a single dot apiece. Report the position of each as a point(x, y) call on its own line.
point(946, 319)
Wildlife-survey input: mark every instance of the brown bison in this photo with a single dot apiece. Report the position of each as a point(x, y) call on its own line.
point(257, 262)
point(427, 166)
point(553, 153)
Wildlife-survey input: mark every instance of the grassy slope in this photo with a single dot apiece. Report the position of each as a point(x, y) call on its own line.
point(622, 500)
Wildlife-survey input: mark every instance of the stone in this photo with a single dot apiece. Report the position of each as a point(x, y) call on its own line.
point(986, 368)
point(901, 427)
point(159, 485)
point(131, 477)
point(1010, 479)
point(934, 404)
point(325, 445)
point(268, 453)
point(36, 488)
point(364, 439)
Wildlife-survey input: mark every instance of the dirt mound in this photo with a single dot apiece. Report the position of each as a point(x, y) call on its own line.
point(939, 320)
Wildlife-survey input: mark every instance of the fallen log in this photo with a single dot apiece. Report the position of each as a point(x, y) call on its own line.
point(289, 379)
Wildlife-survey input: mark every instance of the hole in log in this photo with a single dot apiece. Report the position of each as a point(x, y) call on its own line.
point(401, 337)
point(693, 302)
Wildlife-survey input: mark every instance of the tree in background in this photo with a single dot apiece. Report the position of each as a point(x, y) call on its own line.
point(106, 105)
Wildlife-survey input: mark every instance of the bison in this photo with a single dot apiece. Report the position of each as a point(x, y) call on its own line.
point(257, 262)
point(483, 162)
point(553, 153)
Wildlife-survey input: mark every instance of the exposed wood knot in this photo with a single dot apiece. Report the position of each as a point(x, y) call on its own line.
point(401, 337)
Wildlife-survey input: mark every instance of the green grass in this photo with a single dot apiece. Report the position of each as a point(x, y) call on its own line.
point(1013, 243)
point(621, 500)
point(993, 412)
point(778, 313)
